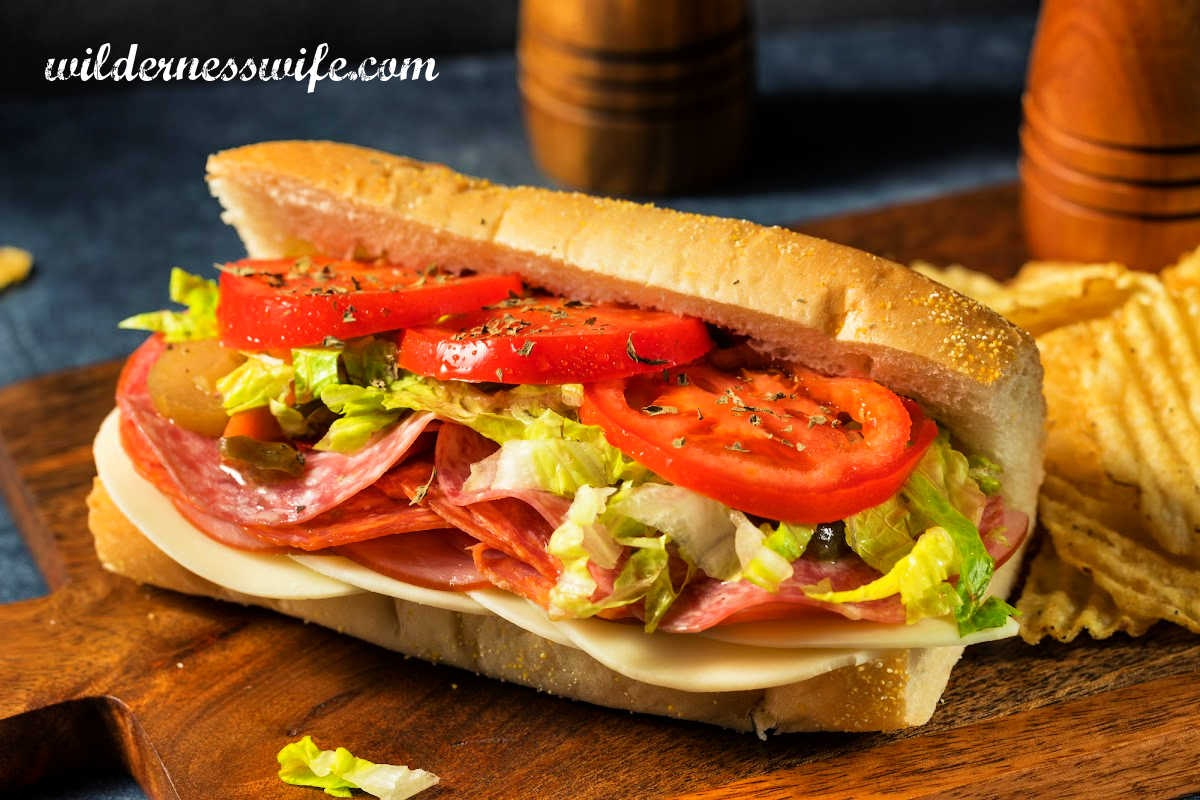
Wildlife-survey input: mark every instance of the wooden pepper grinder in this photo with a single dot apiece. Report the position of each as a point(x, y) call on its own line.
point(1110, 166)
point(631, 97)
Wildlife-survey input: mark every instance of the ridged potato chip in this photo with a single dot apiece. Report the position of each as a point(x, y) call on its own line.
point(1060, 601)
point(1143, 581)
point(1185, 272)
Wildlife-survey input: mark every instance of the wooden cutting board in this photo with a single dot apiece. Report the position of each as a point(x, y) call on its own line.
point(195, 697)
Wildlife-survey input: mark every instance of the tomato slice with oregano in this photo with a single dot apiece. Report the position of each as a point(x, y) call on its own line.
point(302, 301)
point(799, 447)
point(552, 340)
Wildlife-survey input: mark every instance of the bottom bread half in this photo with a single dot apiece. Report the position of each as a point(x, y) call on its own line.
point(897, 691)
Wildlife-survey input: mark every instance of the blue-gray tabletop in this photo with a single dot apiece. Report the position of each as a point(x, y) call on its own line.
point(106, 188)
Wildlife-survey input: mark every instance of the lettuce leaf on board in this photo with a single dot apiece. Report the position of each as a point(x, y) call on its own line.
point(338, 771)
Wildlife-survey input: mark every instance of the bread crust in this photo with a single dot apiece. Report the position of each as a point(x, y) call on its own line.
point(801, 299)
point(894, 692)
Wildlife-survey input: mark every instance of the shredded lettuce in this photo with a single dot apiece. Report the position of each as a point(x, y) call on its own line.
point(255, 382)
point(500, 416)
point(766, 555)
point(700, 527)
point(938, 512)
point(882, 535)
point(314, 368)
point(338, 771)
point(950, 471)
point(363, 414)
point(541, 445)
point(647, 518)
point(974, 566)
point(556, 454)
point(985, 473)
point(291, 421)
point(198, 294)
point(593, 533)
point(576, 542)
point(370, 361)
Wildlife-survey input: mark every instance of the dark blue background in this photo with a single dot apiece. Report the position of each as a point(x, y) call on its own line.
point(106, 188)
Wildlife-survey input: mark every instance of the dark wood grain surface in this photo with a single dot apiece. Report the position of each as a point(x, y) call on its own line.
point(195, 696)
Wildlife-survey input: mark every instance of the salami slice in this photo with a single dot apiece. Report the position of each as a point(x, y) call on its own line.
point(1003, 529)
point(194, 465)
point(227, 533)
point(506, 524)
point(458, 447)
point(368, 515)
point(435, 559)
point(150, 468)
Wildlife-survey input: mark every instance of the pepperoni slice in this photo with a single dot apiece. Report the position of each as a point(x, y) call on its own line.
point(370, 514)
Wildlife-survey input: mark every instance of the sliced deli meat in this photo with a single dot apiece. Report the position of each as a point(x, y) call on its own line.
point(512, 575)
point(146, 463)
point(435, 559)
point(1002, 529)
point(506, 524)
point(366, 516)
point(193, 461)
point(458, 448)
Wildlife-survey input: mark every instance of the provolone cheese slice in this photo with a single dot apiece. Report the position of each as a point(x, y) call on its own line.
point(343, 569)
point(520, 612)
point(836, 632)
point(151, 512)
point(676, 661)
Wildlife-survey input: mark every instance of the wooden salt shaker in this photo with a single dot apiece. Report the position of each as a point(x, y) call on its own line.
point(636, 98)
point(1110, 166)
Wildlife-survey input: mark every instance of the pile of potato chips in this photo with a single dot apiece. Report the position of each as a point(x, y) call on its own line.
point(1121, 500)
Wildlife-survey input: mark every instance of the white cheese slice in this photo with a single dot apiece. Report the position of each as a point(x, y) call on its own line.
point(347, 571)
point(151, 512)
point(832, 632)
point(676, 661)
point(520, 612)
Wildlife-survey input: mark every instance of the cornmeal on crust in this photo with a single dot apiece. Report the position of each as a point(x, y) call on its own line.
point(894, 692)
point(805, 300)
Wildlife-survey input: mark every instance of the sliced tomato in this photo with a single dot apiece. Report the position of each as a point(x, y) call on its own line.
point(297, 302)
point(801, 447)
point(552, 340)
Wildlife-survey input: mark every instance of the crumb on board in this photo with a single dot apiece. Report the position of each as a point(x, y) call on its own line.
point(15, 264)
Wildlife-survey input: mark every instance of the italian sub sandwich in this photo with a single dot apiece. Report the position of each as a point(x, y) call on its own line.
point(651, 460)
